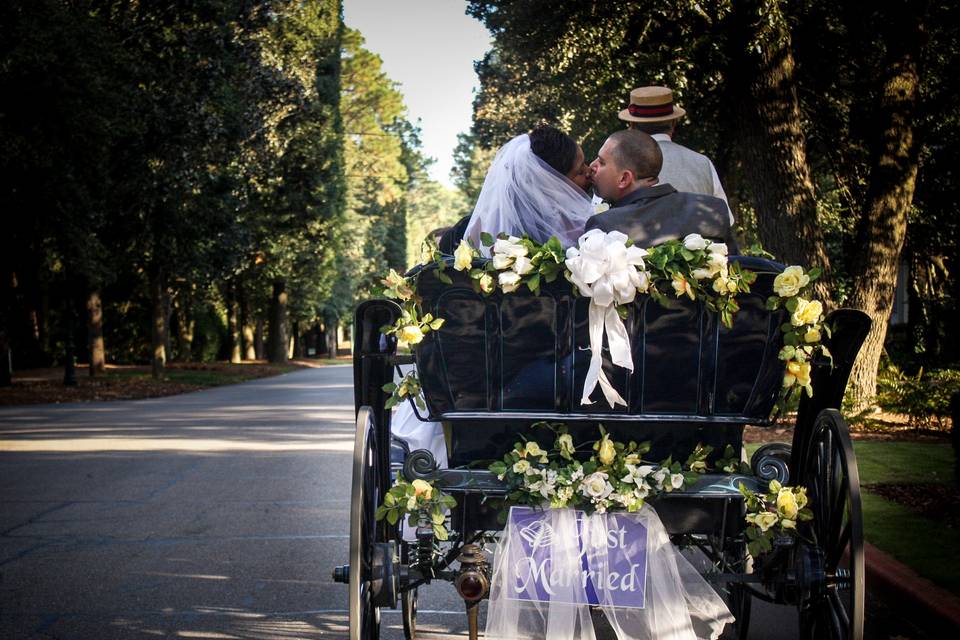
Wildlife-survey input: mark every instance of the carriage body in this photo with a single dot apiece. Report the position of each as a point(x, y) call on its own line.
point(505, 361)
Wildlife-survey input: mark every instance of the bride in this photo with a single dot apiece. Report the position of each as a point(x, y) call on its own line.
point(537, 185)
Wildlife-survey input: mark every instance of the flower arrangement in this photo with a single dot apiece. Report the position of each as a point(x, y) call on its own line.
point(407, 387)
point(773, 515)
point(614, 477)
point(803, 333)
point(607, 268)
point(420, 502)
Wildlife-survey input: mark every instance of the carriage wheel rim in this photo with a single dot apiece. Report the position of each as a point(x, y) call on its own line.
point(363, 615)
point(833, 480)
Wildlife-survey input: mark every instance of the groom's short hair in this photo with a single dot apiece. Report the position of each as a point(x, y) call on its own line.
point(554, 147)
point(636, 151)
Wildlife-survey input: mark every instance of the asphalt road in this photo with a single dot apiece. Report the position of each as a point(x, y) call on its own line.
point(216, 514)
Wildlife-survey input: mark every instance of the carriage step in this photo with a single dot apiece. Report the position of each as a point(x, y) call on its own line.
point(342, 574)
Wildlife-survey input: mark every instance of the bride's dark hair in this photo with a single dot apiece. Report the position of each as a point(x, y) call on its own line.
point(554, 147)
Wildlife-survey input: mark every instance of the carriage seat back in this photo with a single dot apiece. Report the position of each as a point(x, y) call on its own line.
point(519, 355)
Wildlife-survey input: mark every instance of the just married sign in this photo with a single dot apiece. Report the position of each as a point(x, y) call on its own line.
point(538, 573)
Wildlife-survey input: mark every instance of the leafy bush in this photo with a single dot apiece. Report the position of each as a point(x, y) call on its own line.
point(924, 397)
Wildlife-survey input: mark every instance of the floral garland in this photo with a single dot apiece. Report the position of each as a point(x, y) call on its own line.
point(615, 477)
point(611, 271)
point(420, 502)
point(773, 515)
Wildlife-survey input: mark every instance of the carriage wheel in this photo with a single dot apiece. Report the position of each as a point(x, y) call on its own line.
point(366, 554)
point(830, 565)
point(408, 599)
point(408, 605)
point(737, 596)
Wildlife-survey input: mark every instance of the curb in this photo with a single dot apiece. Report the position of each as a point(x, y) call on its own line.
point(939, 607)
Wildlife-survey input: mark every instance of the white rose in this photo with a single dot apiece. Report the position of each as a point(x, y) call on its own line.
point(501, 261)
point(510, 246)
point(717, 247)
point(676, 480)
point(702, 274)
point(509, 281)
point(695, 242)
point(595, 485)
point(522, 265)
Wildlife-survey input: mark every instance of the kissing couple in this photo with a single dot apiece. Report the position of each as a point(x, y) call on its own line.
point(539, 182)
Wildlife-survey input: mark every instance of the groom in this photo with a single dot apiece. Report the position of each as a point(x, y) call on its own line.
point(625, 174)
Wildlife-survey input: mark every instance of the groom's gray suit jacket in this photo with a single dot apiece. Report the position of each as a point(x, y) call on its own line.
point(652, 215)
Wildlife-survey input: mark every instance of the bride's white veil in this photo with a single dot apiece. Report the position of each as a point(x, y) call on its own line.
point(522, 194)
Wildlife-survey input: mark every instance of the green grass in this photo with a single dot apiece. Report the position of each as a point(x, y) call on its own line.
point(918, 542)
point(903, 462)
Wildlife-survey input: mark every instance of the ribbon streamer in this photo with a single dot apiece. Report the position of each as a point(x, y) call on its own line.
point(605, 320)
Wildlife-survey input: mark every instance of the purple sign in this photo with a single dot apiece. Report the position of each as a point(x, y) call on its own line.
point(539, 575)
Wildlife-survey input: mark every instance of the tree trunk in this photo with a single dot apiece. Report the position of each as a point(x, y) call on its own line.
point(277, 344)
point(258, 348)
point(167, 317)
point(158, 328)
point(185, 327)
point(247, 323)
point(233, 322)
point(774, 151)
point(95, 333)
point(331, 337)
point(893, 173)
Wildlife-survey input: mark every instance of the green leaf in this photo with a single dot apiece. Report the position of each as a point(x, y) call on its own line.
point(773, 303)
point(381, 512)
point(440, 532)
point(790, 304)
point(444, 278)
point(393, 516)
point(814, 273)
point(436, 324)
point(390, 387)
point(390, 403)
point(437, 517)
point(389, 499)
point(486, 239)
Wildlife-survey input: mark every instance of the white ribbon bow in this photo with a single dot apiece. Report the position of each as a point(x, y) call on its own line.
point(608, 272)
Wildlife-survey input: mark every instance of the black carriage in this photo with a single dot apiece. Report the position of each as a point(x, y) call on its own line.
point(505, 361)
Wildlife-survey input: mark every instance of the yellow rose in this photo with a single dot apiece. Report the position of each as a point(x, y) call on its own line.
point(787, 504)
point(534, 449)
point(765, 520)
point(681, 286)
point(807, 312)
point(565, 444)
point(607, 451)
point(801, 496)
point(412, 503)
point(422, 488)
point(486, 283)
point(411, 334)
point(789, 283)
point(521, 466)
point(811, 336)
point(463, 256)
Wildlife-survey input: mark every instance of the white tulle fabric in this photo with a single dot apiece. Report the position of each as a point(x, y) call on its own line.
point(522, 194)
point(679, 603)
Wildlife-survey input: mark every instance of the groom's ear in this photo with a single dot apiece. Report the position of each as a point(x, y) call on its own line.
point(627, 178)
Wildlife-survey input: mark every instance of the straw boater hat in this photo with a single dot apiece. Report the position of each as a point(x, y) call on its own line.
point(651, 104)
